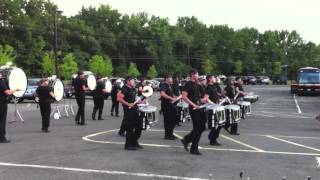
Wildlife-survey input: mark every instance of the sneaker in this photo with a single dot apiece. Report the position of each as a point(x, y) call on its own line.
point(5, 141)
point(100, 119)
point(185, 144)
point(215, 143)
point(131, 148)
point(121, 134)
point(195, 153)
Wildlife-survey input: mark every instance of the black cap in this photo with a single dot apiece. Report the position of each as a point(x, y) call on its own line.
point(129, 78)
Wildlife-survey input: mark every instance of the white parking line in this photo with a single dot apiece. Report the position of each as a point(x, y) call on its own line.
point(296, 102)
point(255, 150)
point(318, 162)
point(241, 143)
point(288, 115)
point(153, 176)
point(293, 143)
point(263, 115)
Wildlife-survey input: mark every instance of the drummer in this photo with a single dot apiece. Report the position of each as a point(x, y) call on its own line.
point(126, 96)
point(4, 93)
point(191, 94)
point(168, 108)
point(45, 93)
point(98, 98)
point(229, 91)
point(79, 85)
point(238, 87)
point(212, 91)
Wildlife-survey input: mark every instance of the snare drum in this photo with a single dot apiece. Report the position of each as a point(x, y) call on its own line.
point(15, 79)
point(183, 111)
point(148, 115)
point(232, 113)
point(251, 98)
point(216, 115)
point(57, 88)
point(245, 107)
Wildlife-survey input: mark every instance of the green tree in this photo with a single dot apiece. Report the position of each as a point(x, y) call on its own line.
point(69, 66)
point(6, 54)
point(277, 68)
point(101, 66)
point(133, 70)
point(152, 72)
point(238, 67)
point(207, 66)
point(48, 66)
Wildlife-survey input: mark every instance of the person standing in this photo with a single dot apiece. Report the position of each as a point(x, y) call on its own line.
point(115, 103)
point(126, 97)
point(98, 98)
point(230, 93)
point(45, 94)
point(169, 111)
point(80, 88)
point(4, 93)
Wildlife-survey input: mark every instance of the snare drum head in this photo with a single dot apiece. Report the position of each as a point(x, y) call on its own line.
point(148, 109)
point(58, 90)
point(244, 103)
point(91, 82)
point(232, 107)
point(215, 107)
point(18, 80)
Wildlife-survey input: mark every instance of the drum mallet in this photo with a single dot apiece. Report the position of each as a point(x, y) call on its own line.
point(210, 176)
point(309, 178)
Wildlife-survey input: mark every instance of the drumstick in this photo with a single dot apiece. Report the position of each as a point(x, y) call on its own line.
point(178, 98)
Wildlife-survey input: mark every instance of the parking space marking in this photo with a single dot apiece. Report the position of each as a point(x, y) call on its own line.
point(263, 115)
point(153, 176)
point(287, 115)
point(254, 149)
point(294, 137)
point(296, 102)
point(293, 143)
point(241, 143)
point(318, 162)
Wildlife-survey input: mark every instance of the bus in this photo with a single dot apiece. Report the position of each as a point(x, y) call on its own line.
point(308, 82)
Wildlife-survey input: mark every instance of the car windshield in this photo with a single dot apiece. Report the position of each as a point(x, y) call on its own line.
point(33, 82)
point(309, 77)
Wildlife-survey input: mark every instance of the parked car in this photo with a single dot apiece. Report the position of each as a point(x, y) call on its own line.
point(263, 80)
point(33, 84)
point(280, 80)
point(252, 80)
point(69, 90)
point(245, 80)
point(223, 78)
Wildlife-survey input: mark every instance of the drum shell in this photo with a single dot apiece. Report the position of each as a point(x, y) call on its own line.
point(232, 113)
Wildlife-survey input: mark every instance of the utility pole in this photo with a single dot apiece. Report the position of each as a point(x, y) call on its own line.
point(56, 42)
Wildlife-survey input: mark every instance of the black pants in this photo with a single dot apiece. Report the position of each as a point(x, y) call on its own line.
point(80, 114)
point(233, 127)
point(115, 106)
point(3, 118)
point(45, 110)
point(169, 119)
point(133, 127)
point(215, 131)
point(199, 125)
point(98, 105)
point(123, 126)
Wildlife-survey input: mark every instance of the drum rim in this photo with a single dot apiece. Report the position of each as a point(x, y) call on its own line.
point(53, 83)
point(10, 71)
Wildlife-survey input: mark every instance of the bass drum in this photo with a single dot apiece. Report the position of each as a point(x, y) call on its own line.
point(57, 88)
point(91, 82)
point(15, 79)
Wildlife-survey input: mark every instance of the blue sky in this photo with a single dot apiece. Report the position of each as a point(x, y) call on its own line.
point(300, 15)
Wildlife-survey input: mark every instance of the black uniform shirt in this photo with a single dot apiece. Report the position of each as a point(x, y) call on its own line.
point(239, 86)
point(98, 92)
point(43, 93)
point(229, 92)
point(217, 85)
point(175, 89)
point(3, 88)
point(211, 90)
point(129, 94)
point(78, 83)
point(168, 90)
point(194, 91)
point(140, 85)
point(114, 91)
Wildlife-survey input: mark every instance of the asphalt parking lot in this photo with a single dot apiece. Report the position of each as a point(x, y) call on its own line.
point(280, 138)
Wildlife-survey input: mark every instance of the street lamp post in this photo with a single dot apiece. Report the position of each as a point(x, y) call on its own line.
point(57, 12)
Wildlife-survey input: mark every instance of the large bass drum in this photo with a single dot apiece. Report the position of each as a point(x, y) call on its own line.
point(57, 88)
point(91, 82)
point(15, 79)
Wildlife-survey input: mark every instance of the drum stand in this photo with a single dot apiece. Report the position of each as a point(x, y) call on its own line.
point(16, 112)
point(56, 110)
point(68, 107)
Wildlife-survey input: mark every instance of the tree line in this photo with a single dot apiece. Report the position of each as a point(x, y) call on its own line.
point(110, 43)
